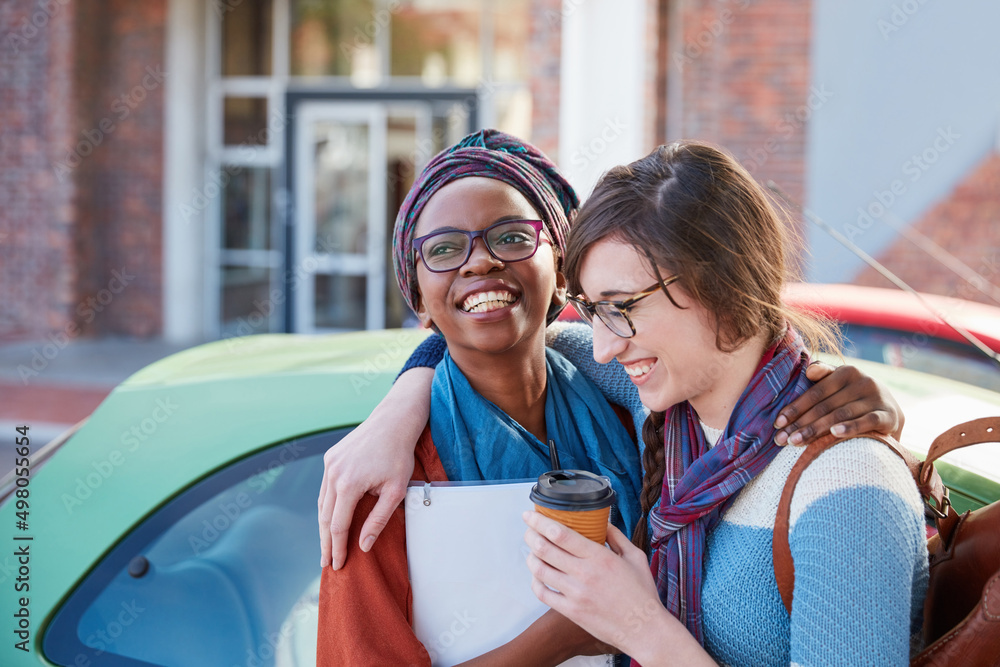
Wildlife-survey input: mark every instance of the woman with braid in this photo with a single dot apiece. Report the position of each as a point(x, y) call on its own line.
point(681, 258)
point(478, 248)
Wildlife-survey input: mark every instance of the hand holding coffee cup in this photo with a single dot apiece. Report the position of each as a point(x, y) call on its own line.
point(577, 499)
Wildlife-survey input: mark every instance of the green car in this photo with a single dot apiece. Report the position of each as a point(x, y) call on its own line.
point(178, 525)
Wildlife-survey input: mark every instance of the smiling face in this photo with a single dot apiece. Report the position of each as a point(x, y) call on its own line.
point(673, 356)
point(486, 305)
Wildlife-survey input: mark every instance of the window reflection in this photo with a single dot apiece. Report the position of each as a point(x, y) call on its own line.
point(340, 301)
point(246, 38)
point(341, 168)
point(327, 37)
point(437, 41)
point(511, 29)
point(246, 304)
point(404, 157)
point(481, 45)
point(513, 109)
point(246, 209)
point(228, 574)
point(245, 121)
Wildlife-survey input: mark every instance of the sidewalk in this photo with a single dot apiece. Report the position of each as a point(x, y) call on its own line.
point(49, 389)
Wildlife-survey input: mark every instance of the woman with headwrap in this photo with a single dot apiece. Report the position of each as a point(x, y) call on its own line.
point(497, 394)
point(477, 248)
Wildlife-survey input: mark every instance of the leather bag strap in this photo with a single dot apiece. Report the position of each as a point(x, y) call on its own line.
point(972, 432)
point(784, 568)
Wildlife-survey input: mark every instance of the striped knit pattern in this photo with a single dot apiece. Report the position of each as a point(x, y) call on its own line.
point(858, 541)
point(857, 537)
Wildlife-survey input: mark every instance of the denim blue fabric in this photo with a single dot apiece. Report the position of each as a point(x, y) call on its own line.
point(476, 440)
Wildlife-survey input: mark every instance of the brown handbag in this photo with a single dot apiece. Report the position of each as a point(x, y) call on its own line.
point(962, 608)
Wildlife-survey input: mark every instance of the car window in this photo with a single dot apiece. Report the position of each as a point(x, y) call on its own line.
point(919, 352)
point(225, 573)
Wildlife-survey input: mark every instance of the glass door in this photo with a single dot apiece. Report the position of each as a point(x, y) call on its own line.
point(354, 162)
point(339, 269)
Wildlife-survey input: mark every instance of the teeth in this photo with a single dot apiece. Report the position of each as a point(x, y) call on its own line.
point(483, 302)
point(636, 371)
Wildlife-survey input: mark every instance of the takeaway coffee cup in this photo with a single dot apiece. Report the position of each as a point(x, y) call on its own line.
point(577, 499)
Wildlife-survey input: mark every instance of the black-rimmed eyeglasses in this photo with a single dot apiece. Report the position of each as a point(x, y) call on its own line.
point(507, 241)
point(615, 314)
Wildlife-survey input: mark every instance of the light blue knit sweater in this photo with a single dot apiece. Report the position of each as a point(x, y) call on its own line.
point(857, 538)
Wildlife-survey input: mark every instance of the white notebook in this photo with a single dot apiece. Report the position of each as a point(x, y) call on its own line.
point(471, 584)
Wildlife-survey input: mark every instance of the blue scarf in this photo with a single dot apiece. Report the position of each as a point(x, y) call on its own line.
point(476, 440)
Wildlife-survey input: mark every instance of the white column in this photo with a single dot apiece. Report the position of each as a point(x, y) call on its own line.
point(183, 218)
point(602, 103)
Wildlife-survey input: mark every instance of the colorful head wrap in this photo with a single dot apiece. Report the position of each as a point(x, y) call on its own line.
point(487, 154)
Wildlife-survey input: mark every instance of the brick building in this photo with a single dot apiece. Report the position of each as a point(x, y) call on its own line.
point(194, 169)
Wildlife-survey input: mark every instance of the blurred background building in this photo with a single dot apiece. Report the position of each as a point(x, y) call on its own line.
point(188, 170)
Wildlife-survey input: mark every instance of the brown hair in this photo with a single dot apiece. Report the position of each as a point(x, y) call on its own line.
point(693, 210)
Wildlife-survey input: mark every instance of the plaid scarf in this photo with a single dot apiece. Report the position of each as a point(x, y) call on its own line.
point(700, 483)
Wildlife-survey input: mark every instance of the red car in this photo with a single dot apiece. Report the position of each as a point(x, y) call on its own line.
point(896, 328)
point(899, 329)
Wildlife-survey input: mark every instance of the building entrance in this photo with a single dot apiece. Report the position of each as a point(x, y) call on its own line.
point(350, 164)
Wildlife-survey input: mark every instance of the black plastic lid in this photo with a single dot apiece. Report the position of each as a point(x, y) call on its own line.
point(573, 490)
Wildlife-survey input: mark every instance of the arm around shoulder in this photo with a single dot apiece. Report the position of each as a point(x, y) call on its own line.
point(375, 458)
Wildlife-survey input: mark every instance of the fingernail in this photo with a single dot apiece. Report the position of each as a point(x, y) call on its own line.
point(335, 565)
point(367, 544)
point(796, 438)
point(781, 438)
point(838, 430)
point(780, 421)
